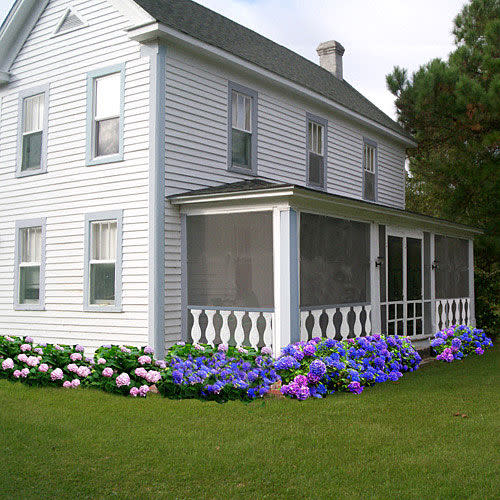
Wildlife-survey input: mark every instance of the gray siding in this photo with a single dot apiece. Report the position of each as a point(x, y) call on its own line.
point(196, 149)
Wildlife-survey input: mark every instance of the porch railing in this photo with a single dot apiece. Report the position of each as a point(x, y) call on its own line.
point(452, 312)
point(338, 322)
point(233, 326)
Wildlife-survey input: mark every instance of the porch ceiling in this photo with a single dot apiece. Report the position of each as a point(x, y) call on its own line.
point(258, 192)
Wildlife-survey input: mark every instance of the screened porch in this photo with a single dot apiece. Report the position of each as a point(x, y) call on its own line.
point(266, 268)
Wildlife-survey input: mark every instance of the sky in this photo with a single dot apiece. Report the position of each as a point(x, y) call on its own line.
point(376, 34)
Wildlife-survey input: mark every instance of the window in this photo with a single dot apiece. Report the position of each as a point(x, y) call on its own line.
point(105, 115)
point(369, 170)
point(33, 124)
point(30, 265)
point(316, 151)
point(103, 261)
point(242, 129)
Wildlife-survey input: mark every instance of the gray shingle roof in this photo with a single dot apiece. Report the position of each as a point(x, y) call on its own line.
point(210, 27)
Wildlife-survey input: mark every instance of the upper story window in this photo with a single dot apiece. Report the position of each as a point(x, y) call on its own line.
point(369, 170)
point(242, 129)
point(316, 151)
point(30, 264)
point(105, 115)
point(103, 261)
point(33, 124)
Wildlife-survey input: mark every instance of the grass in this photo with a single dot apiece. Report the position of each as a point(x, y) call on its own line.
point(396, 440)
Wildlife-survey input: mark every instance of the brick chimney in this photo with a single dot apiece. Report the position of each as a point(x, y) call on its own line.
point(330, 57)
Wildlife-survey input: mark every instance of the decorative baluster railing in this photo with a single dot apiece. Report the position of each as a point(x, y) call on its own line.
point(338, 322)
point(240, 327)
point(452, 312)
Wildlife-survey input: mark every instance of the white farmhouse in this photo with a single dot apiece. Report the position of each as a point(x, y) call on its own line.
point(168, 174)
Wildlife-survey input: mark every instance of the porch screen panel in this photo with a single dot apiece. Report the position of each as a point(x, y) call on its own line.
point(452, 273)
point(334, 261)
point(230, 260)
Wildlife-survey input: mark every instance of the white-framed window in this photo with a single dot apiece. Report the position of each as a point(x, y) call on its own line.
point(29, 280)
point(242, 128)
point(103, 261)
point(32, 131)
point(316, 151)
point(105, 115)
point(369, 170)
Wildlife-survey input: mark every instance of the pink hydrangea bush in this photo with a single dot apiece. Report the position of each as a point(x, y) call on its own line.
point(42, 364)
point(125, 369)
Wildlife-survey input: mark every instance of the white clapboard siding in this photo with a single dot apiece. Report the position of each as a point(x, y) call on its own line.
point(69, 190)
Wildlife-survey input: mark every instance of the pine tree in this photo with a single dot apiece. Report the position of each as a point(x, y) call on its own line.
point(452, 108)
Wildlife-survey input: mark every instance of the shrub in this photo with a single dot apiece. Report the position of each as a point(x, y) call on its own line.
point(320, 367)
point(217, 376)
point(43, 364)
point(458, 342)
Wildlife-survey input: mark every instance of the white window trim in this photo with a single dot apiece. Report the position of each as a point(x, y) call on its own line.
point(43, 89)
point(91, 159)
point(20, 225)
point(112, 215)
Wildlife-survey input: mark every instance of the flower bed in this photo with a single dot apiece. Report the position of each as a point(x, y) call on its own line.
point(320, 367)
point(305, 369)
point(458, 342)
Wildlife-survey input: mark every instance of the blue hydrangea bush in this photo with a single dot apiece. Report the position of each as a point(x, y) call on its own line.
point(456, 342)
point(320, 367)
point(220, 374)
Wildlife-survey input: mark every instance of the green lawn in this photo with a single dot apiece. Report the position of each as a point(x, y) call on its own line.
point(396, 440)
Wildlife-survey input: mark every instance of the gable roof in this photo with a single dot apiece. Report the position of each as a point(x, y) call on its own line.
point(208, 26)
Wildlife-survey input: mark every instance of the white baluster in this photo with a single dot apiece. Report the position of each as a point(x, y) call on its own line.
point(330, 327)
point(439, 318)
point(450, 313)
point(196, 330)
point(368, 322)
point(344, 326)
point(316, 331)
point(358, 328)
point(303, 330)
point(239, 333)
point(253, 335)
point(225, 333)
point(268, 332)
point(210, 331)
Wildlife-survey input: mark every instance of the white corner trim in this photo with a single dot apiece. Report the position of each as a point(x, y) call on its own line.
point(155, 30)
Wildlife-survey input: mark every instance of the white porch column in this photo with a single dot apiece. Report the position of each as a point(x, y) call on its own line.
point(432, 258)
point(375, 279)
point(286, 278)
point(472, 305)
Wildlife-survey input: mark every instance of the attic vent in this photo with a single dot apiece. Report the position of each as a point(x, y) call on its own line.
point(70, 21)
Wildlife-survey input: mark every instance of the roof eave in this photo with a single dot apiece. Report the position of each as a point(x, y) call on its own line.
point(306, 199)
point(154, 30)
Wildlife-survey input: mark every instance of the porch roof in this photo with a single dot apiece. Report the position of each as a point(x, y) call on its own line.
point(309, 199)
